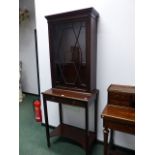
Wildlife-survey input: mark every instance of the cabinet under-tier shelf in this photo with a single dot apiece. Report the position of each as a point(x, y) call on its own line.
point(76, 134)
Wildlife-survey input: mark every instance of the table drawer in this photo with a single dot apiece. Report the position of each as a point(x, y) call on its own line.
point(66, 101)
point(119, 126)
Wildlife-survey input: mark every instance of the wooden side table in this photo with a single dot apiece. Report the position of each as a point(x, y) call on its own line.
point(74, 98)
point(119, 113)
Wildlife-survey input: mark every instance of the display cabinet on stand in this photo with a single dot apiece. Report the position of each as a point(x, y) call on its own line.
point(72, 46)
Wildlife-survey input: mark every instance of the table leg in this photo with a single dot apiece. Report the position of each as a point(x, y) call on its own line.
point(46, 122)
point(106, 132)
point(112, 147)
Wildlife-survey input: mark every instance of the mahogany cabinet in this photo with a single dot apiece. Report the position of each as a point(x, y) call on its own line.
point(72, 49)
point(72, 44)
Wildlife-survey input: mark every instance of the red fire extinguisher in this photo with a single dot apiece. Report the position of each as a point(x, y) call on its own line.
point(37, 111)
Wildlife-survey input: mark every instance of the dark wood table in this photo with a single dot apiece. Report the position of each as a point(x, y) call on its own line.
point(74, 98)
point(119, 113)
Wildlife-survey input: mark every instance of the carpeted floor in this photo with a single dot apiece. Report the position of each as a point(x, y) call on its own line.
point(32, 136)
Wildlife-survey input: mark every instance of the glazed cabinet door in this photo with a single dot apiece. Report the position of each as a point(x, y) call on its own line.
point(68, 54)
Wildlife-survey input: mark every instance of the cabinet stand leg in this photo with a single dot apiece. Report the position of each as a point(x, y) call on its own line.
point(46, 122)
point(96, 112)
point(60, 113)
point(87, 130)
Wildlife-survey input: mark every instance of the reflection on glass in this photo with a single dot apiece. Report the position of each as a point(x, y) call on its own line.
point(69, 47)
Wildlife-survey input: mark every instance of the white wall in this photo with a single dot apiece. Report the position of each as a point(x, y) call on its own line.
point(115, 54)
point(27, 49)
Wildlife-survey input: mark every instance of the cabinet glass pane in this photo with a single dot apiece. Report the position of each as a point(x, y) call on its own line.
point(69, 45)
